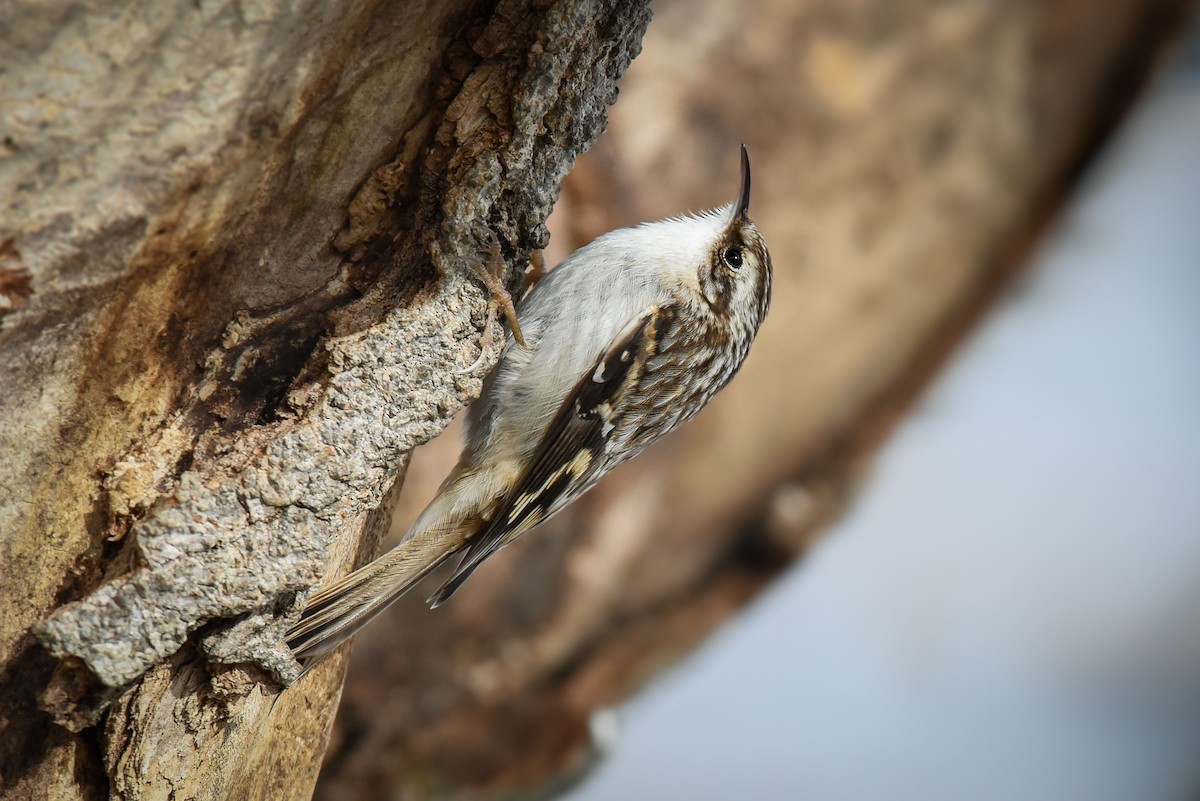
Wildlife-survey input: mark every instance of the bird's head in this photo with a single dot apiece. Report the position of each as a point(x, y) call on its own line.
point(735, 269)
point(719, 256)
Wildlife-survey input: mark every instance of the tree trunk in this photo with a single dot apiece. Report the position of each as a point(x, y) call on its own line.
point(238, 262)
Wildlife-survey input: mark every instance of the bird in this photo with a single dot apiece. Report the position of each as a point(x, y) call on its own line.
point(629, 337)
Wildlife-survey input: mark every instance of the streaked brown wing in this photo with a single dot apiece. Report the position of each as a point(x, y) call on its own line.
point(572, 451)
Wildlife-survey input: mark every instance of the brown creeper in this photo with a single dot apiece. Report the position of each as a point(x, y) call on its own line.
point(630, 336)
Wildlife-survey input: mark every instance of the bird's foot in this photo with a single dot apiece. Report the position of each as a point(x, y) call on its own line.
point(491, 275)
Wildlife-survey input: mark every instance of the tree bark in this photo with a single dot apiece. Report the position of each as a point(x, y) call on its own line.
point(238, 262)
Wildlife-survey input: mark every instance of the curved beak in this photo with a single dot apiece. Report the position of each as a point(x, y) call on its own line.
point(741, 208)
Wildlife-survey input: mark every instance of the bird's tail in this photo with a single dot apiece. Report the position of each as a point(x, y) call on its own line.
point(336, 613)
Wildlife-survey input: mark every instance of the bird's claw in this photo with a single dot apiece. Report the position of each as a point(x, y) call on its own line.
point(490, 274)
point(485, 341)
point(500, 296)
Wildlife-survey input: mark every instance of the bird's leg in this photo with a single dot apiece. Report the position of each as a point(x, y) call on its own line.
point(536, 271)
point(492, 276)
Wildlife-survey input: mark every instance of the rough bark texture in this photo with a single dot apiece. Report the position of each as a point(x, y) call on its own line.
point(905, 156)
point(238, 250)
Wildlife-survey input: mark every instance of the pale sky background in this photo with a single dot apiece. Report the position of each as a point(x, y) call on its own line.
point(1012, 610)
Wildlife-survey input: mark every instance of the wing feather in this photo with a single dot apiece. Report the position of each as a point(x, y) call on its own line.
point(571, 456)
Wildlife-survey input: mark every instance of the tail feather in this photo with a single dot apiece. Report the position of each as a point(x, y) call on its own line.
point(453, 583)
point(336, 613)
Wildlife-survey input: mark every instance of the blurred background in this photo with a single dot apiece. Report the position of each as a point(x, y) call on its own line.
point(989, 583)
point(1011, 610)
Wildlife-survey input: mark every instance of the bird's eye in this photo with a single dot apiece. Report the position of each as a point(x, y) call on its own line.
point(733, 257)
